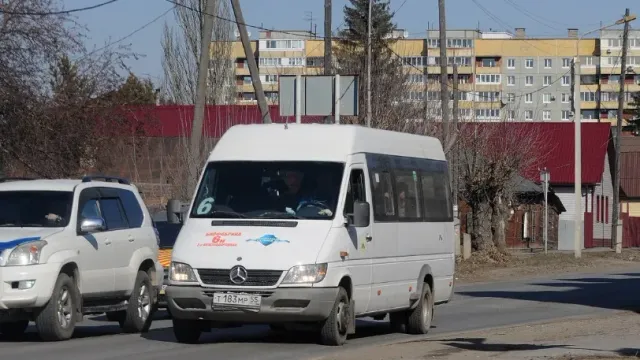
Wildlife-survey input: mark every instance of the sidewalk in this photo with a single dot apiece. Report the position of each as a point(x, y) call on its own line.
point(609, 336)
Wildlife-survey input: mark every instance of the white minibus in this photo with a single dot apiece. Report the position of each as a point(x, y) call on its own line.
point(315, 225)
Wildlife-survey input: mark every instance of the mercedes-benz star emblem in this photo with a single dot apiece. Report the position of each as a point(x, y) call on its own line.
point(238, 275)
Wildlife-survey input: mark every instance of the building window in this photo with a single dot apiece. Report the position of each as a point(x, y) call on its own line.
point(487, 114)
point(459, 43)
point(528, 114)
point(271, 95)
point(415, 79)
point(566, 63)
point(511, 115)
point(511, 97)
point(565, 98)
point(546, 80)
point(489, 62)
point(585, 61)
point(566, 80)
point(547, 63)
point(270, 79)
point(270, 61)
point(566, 115)
point(528, 98)
point(511, 80)
point(247, 80)
point(296, 61)
point(511, 63)
point(315, 61)
point(528, 63)
point(488, 96)
point(588, 96)
point(433, 43)
point(284, 44)
point(546, 115)
point(415, 61)
point(488, 79)
point(614, 43)
point(528, 80)
point(546, 98)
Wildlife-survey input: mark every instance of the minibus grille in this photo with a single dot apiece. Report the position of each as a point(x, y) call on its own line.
point(254, 277)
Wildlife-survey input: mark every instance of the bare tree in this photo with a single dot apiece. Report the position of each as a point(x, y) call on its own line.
point(55, 117)
point(181, 50)
point(492, 156)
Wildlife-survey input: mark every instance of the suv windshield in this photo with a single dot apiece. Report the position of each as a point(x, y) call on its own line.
point(269, 190)
point(35, 208)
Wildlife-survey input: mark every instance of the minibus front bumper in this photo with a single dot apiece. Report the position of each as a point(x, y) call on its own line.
point(278, 305)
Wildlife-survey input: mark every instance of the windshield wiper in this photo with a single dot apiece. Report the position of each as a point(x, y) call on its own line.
point(231, 214)
point(279, 215)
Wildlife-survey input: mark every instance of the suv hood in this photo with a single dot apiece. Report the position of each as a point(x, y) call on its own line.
point(255, 247)
point(11, 237)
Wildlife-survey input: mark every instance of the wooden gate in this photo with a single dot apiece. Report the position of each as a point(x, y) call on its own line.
point(588, 230)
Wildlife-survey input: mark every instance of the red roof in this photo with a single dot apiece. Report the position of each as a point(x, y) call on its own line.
point(176, 120)
point(554, 147)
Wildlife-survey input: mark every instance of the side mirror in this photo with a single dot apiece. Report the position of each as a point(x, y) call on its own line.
point(92, 225)
point(361, 214)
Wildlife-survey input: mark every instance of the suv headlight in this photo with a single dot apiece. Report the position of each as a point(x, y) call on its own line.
point(180, 272)
point(26, 254)
point(304, 274)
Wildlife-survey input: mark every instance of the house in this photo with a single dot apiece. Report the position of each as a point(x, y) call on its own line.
point(597, 187)
point(630, 190)
point(525, 227)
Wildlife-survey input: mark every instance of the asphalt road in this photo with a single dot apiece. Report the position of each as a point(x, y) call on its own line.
point(473, 307)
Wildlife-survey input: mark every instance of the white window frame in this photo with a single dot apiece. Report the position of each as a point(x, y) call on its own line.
point(567, 113)
point(511, 63)
point(546, 80)
point(566, 63)
point(528, 63)
point(510, 82)
point(528, 114)
point(546, 98)
point(565, 98)
point(528, 98)
point(546, 115)
point(566, 80)
point(548, 63)
point(526, 80)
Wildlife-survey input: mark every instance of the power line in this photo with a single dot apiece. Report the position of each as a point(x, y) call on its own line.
point(529, 14)
point(128, 35)
point(61, 12)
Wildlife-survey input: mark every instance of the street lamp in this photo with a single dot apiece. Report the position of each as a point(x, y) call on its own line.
point(577, 236)
point(545, 178)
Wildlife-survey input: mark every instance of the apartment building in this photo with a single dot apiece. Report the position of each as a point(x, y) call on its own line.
point(501, 75)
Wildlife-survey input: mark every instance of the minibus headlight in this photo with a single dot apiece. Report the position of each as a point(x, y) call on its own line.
point(304, 274)
point(180, 272)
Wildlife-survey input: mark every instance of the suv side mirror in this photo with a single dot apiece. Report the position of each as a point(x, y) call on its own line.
point(361, 214)
point(92, 225)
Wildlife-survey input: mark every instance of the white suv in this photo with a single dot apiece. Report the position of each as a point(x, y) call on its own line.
point(75, 247)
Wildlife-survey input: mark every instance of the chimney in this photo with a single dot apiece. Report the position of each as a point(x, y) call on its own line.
point(572, 33)
point(520, 34)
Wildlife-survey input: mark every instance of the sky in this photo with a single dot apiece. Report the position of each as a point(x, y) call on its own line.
point(541, 18)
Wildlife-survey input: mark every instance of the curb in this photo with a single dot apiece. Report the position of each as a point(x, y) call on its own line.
point(439, 337)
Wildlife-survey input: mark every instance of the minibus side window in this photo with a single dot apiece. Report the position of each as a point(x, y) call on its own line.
point(356, 191)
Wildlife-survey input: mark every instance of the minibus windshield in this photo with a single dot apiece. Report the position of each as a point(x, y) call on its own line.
point(269, 190)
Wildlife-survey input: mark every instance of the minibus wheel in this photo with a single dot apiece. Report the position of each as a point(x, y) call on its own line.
point(419, 320)
point(334, 328)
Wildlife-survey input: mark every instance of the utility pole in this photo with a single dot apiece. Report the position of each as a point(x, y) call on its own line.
point(454, 156)
point(368, 67)
point(327, 37)
point(616, 177)
point(544, 177)
point(577, 171)
point(251, 61)
point(444, 78)
point(201, 93)
point(327, 46)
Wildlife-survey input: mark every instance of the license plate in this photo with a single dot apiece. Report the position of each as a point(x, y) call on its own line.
point(237, 300)
point(164, 287)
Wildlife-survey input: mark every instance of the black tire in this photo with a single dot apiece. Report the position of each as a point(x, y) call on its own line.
point(14, 330)
point(334, 329)
point(419, 319)
point(187, 331)
point(63, 300)
point(141, 306)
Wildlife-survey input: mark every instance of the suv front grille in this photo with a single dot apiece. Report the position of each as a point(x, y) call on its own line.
point(254, 277)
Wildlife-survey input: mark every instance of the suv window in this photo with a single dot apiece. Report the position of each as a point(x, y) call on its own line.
point(113, 213)
point(35, 208)
point(131, 208)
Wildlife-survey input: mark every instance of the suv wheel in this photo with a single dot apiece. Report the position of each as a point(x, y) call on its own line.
point(14, 329)
point(57, 320)
point(140, 310)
